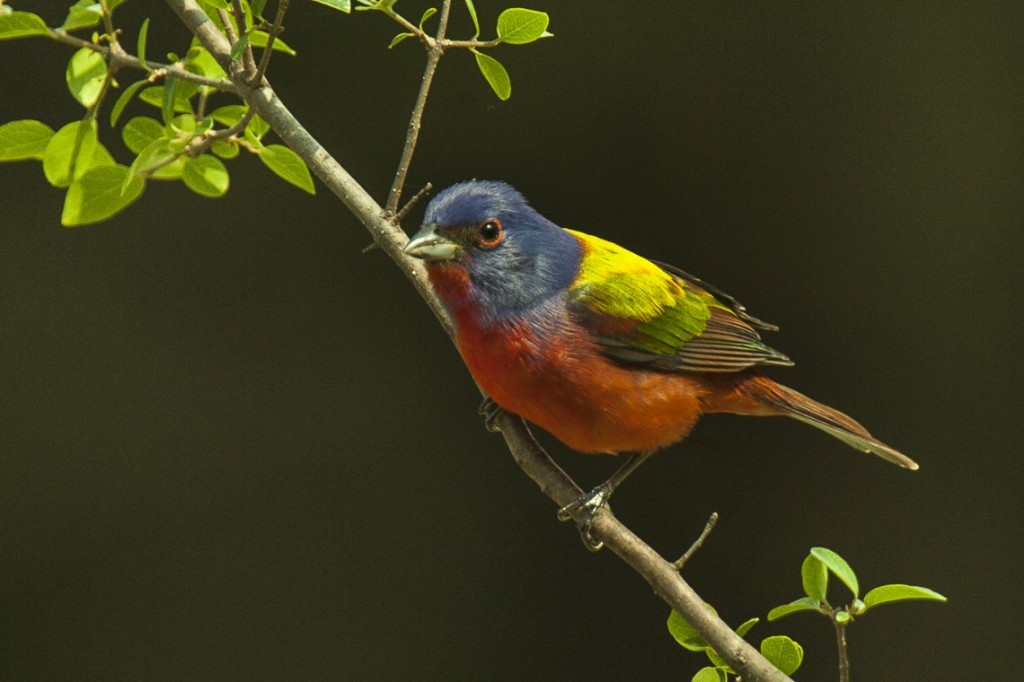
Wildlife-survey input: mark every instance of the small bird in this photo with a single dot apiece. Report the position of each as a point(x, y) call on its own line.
point(606, 350)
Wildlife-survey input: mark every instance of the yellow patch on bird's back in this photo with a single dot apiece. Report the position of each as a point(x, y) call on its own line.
point(617, 282)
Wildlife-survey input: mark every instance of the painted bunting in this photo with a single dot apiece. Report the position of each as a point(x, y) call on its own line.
point(606, 350)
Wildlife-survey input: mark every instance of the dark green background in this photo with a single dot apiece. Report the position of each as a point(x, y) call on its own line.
point(231, 446)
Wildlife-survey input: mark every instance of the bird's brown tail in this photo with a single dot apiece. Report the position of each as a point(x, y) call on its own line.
point(754, 394)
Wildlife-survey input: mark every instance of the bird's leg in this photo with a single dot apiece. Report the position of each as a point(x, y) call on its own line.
point(491, 411)
point(590, 504)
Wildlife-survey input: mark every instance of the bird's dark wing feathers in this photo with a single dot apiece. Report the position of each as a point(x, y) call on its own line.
point(724, 298)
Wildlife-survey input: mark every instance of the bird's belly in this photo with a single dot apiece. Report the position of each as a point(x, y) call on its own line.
point(582, 398)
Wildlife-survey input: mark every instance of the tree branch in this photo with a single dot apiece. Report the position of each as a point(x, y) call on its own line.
point(659, 573)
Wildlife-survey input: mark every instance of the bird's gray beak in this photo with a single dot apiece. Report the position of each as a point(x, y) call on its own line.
point(428, 245)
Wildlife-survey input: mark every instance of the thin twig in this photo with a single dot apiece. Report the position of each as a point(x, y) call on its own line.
point(470, 43)
point(658, 572)
point(698, 543)
point(118, 58)
point(248, 61)
point(107, 22)
point(412, 202)
point(434, 52)
point(373, 246)
point(229, 28)
point(844, 660)
point(200, 145)
point(275, 30)
point(427, 40)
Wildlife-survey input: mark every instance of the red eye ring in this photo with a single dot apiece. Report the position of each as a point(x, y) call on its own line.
point(490, 233)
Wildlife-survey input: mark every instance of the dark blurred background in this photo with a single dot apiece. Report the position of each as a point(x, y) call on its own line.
point(235, 447)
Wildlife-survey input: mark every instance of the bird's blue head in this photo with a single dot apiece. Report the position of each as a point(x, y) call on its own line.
point(515, 258)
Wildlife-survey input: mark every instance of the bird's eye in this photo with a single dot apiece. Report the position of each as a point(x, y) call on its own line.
point(490, 234)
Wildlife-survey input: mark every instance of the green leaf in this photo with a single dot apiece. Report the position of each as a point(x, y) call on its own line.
point(202, 63)
point(783, 653)
point(85, 74)
point(167, 105)
point(257, 6)
point(897, 592)
point(684, 633)
point(224, 150)
point(159, 160)
point(155, 96)
point(26, 139)
point(718, 661)
point(288, 165)
point(83, 14)
point(495, 74)
point(399, 38)
point(744, 628)
point(140, 132)
point(75, 146)
point(239, 47)
point(258, 127)
point(260, 38)
point(815, 578)
point(229, 114)
point(340, 5)
point(99, 194)
point(427, 13)
point(143, 33)
point(472, 15)
point(518, 26)
point(122, 101)
point(206, 175)
point(708, 674)
point(802, 604)
point(21, 25)
point(837, 565)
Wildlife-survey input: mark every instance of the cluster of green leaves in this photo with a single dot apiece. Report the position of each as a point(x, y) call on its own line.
point(784, 653)
point(814, 573)
point(515, 26)
point(184, 143)
point(781, 651)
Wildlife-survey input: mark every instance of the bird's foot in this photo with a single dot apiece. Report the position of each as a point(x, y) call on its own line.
point(586, 507)
point(491, 411)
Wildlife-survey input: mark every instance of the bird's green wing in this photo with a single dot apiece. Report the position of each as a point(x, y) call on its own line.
point(648, 314)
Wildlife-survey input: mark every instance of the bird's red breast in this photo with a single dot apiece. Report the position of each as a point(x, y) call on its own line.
point(546, 369)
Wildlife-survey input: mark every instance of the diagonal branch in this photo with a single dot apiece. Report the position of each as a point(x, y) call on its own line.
point(659, 573)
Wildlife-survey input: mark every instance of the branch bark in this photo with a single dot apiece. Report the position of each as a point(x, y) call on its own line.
point(528, 454)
